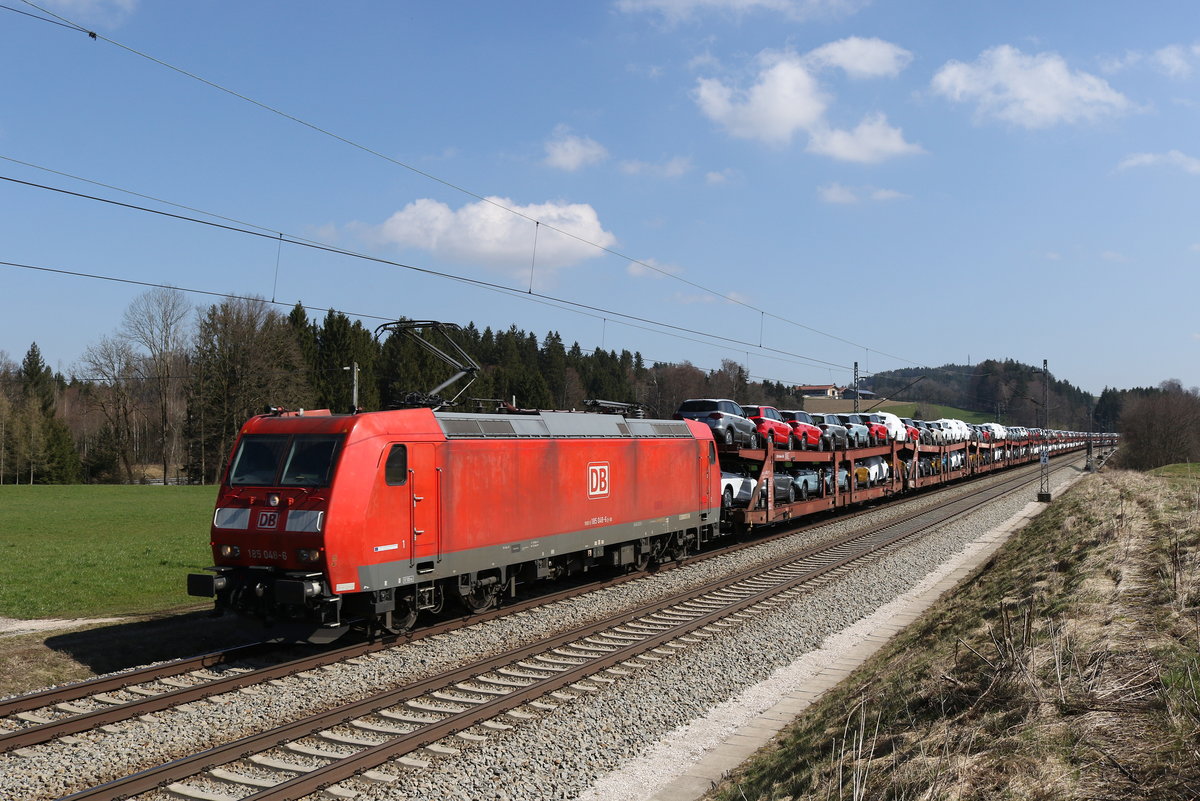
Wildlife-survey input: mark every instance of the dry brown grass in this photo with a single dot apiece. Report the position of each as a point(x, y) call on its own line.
point(1067, 670)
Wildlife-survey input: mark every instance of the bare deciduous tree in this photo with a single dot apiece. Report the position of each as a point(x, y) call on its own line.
point(1162, 428)
point(112, 364)
point(156, 322)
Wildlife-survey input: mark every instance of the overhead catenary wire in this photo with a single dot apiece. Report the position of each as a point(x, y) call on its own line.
point(252, 298)
point(456, 187)
point(263, 233)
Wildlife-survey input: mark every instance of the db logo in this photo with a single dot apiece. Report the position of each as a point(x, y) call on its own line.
point(268, 519)
point(598, 480)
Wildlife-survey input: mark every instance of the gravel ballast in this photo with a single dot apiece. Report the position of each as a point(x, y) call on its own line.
point(564, 753)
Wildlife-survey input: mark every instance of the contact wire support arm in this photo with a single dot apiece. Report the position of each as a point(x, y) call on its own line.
point(457, 358)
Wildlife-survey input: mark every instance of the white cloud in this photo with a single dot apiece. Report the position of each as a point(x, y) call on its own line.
point(1116, 64)
point(862, 58)
point(679, 10)
point(1030, 91)
point(1052, 255)
point(92, 7)
point(836, 193)
point(1195, 248)
point(487, 233)
point(784, 99)
point(732, 297)
point(652, 268)
point(1173, 61)
point(1114, 256)
point(718, 177)
point(1172, 158)
point(871, 142)
point(565, 151)
point(672, 168)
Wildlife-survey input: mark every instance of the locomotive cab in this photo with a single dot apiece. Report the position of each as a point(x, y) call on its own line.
point(268, 528)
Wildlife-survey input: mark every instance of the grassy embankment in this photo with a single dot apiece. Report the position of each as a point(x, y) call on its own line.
point(1068, 668)
point(95, 551)
point(931, 410)
point(934, 412)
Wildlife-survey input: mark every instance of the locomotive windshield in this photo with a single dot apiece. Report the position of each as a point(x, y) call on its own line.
point(279, 460)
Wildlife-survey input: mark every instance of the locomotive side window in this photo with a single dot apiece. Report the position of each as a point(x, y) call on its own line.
point(395, 471)
point(257, 460)
point(310, 461)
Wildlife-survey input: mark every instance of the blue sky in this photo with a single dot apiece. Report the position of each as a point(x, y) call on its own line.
point(793, 184)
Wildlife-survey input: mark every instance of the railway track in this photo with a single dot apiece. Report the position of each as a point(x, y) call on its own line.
point(475, 701)
point(74, 708)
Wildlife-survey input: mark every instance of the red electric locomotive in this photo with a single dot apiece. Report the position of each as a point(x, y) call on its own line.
point(323, 521)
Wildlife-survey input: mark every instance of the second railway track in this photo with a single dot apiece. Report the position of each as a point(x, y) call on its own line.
point(488, 706)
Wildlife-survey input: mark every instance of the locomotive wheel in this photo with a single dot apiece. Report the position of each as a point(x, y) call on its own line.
point(403, 621)
point(643, 561)
point(481, 599)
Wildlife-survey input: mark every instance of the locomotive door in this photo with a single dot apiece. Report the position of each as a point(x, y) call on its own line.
point(425, 497)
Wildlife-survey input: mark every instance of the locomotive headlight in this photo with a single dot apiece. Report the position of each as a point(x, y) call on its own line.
point(273, 499)
point(230, 551)
point(308, 554)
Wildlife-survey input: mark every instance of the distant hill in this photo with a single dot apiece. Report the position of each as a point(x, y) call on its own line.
point(1008, 391)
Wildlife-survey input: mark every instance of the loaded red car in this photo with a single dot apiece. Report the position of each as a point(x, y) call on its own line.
point(806, 432)
point(771, 425)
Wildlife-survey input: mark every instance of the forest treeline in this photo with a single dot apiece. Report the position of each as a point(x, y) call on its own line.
point(163, 396)
point(166, 392)
point(1008, 391)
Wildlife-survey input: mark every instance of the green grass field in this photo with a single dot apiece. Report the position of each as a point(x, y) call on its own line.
point(1184, 470)
point(92, 551)
point(933, 412)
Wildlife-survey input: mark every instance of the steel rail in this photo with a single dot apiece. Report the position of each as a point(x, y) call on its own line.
point(79, 722)
point(337, 771)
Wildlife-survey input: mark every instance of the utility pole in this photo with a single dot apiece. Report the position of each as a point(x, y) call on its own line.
point(353, 368)
point(1044, 485)
point(1090, 466)
point(856, 387)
